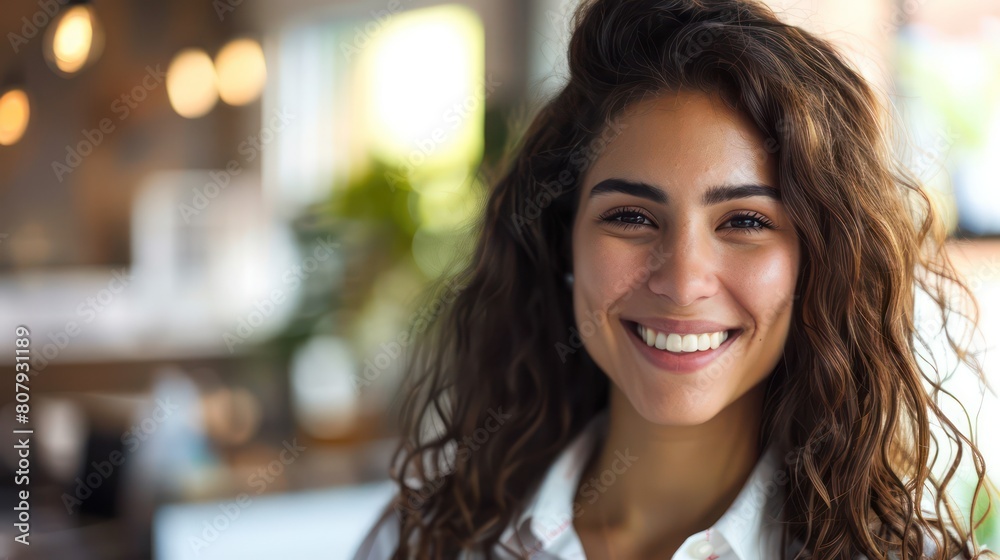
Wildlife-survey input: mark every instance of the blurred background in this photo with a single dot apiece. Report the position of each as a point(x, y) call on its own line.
point(215, 217)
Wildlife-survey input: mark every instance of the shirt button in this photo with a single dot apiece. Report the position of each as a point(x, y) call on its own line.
point(701, 550)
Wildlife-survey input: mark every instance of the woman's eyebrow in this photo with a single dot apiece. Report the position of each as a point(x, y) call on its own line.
point(714, 195)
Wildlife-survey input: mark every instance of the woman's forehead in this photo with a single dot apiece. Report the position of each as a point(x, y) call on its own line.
point(688, 137)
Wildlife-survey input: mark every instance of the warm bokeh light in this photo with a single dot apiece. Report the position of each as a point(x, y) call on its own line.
point(14, 113)
point(75, 40)
point(192, 83)
point(241, 70)
point(424, 73)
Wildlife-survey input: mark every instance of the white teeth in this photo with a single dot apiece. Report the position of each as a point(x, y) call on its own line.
point(661, 341)
point(704, 341)
point(690, 342)
point(673, 342)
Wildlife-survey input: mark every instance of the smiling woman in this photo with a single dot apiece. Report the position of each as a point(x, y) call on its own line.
point(684, 180)
point(701, 326)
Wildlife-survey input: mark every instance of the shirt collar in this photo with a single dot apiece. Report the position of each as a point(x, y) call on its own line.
point(748, 526)
point(550, 511)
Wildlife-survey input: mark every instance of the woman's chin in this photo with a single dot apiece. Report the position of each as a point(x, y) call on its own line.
point(673, 409)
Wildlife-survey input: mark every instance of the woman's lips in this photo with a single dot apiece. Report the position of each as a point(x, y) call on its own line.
point(677, 362)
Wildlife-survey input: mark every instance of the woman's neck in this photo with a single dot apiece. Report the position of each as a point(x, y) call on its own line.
point(663, 483)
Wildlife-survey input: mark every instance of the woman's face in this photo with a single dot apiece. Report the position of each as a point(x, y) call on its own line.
point(679, 229)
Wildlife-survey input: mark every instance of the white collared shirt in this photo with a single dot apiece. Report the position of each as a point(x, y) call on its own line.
point(748, 530)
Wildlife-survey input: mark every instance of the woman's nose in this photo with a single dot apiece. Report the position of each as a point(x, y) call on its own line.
point(688, 266)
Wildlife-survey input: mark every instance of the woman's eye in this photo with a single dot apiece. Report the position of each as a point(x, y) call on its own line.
point(631, 218)
point(749, 222)
point(626, 219)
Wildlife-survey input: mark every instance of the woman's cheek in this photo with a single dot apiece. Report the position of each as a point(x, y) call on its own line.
point(770, 283)
point(615, 269)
